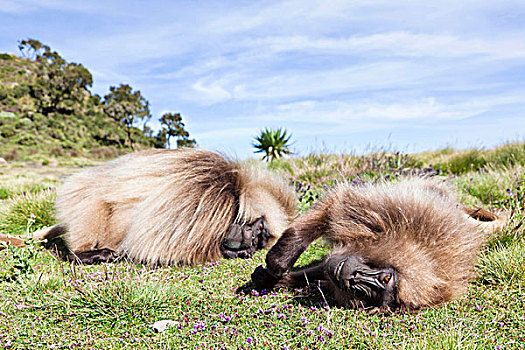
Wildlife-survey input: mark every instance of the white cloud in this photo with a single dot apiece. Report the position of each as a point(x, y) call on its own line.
point(212, 93)
point(365, 114)
point(24, 6)
point(397, 43)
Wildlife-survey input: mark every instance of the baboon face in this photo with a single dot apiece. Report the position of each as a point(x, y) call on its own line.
point(363, 285)
point(242, 241)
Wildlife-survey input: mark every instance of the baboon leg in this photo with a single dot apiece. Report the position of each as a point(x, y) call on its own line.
point(282, 256)
point(294, 241)
point(302, 278)
point(93, 256)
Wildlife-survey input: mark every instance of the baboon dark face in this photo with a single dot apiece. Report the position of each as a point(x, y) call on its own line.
point(367, 286)
point(242, 241)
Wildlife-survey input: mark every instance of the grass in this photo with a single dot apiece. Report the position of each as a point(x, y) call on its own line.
point(48, 303)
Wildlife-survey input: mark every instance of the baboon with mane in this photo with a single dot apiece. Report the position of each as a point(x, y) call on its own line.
point(404, 245)
point(169, 207)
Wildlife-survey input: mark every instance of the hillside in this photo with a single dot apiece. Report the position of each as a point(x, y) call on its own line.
point(47, 110)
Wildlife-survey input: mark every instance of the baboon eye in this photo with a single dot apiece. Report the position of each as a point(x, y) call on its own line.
point(261, 226)
point(386, 278)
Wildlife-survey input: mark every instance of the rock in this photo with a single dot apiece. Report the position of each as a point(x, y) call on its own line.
point(161, 326)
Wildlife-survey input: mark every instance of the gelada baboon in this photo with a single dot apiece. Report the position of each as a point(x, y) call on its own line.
point(169, 207)
point(403, 245)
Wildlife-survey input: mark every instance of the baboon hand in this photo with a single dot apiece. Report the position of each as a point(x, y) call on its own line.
point(262, 279)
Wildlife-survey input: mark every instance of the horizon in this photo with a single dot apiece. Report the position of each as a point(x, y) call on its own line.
point(347, 77)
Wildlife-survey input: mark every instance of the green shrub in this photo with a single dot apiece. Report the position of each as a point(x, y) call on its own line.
point(28, 212)
point(8, 130)
point(507, 155)
point(8, 69)
point(25, 138)
point(21, 90)
point(5, 193)
point(464, 162)
point(6, 57)
point(497, 187)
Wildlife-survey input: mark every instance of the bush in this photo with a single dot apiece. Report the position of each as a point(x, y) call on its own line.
point(8, 130)
point(28, 212)
point(21, 90)
point(26, 139)
point(508, 155)
point(464, 162)
point(6, 57)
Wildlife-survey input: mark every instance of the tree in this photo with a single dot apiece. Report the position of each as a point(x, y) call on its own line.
point(126, 107)
point(59, 85)
point(175, 128)
point(31, 48)
point(274, 143)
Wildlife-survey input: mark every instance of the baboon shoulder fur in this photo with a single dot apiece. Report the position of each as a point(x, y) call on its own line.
point(170, 206)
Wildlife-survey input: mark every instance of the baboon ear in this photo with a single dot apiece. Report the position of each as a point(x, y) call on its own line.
point(486, 221)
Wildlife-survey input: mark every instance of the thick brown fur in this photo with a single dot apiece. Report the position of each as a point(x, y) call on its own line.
point(169, 206)
point(416, 226)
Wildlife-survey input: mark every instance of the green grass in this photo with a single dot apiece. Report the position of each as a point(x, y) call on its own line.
point(48, 303)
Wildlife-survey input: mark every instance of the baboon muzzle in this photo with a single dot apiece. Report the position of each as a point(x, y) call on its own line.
point(242, 241)
point(370, 286)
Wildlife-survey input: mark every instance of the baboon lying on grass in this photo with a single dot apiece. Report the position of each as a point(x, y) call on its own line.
point(403, 245)
point(172, 206)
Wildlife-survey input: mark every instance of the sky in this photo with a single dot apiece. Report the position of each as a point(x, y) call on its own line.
point(341, 76)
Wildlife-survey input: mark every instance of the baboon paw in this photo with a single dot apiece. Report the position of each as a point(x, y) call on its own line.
point(93, 256)
point(262, 279)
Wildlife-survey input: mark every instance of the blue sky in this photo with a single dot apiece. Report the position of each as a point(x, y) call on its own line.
point(342, 76)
